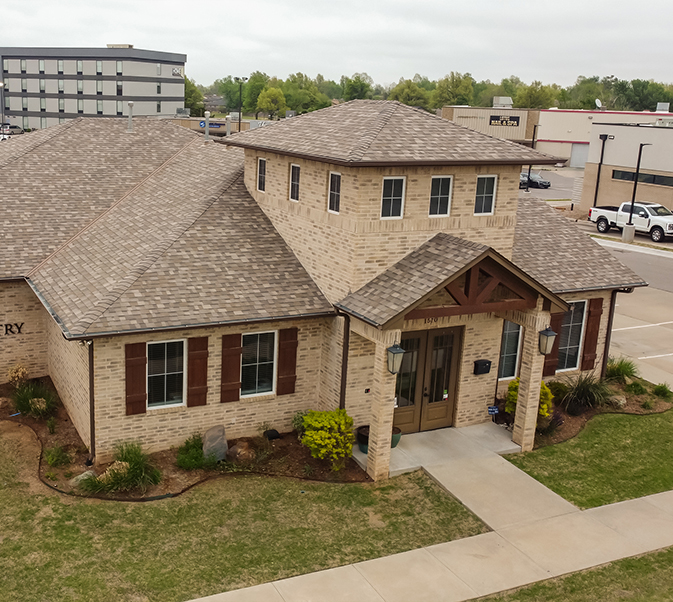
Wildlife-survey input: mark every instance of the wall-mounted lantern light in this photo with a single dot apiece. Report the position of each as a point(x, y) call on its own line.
point(547, 338)
point(395, 355)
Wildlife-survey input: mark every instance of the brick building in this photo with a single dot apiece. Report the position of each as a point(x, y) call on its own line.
point(167, 284)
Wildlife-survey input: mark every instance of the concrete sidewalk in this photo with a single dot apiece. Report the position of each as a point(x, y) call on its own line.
point(536, 535)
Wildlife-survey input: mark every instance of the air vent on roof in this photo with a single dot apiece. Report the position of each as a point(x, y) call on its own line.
point(502, 102)
point(663, 107)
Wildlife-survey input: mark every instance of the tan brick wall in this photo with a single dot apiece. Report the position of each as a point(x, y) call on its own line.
point(360, 378)
point(343, 252)
point(19, 305)
point(330, 364)
point(162, 428)
point(69, 370)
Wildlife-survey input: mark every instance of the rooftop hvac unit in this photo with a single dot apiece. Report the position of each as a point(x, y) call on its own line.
point(502, 102)
point(663, 107)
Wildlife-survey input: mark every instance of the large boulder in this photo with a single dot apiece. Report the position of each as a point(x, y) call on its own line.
point(215, 443)
point(241, 453)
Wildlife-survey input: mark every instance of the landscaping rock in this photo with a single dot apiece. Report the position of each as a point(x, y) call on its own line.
point(75, 481)
point(619, 401)
point(215, 443)
point(241, 453)
point(628, 381)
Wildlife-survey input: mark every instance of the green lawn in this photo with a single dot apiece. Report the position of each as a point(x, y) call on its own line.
point(616, 457)
point(226, 534)
point(648, 578)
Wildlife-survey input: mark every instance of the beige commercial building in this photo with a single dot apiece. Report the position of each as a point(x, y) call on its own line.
point(238, 282)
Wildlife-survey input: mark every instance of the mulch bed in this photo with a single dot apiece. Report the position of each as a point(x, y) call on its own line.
point(284, 457)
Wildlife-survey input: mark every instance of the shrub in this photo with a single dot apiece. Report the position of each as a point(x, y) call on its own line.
point(34, 399)
point(57, 456)
point(190, 455)
point(329, 435)
point(585, 391)
point(635, 388)
point(619, 369)
point(662, 390)
point(546, 397)
point(558, 389)
point(17, 375)
point(648, 404)
point(131, 470)
point(298, 422)
point(51, 425)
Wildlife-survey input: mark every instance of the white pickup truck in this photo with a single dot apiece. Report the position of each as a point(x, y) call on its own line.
point(648, 218)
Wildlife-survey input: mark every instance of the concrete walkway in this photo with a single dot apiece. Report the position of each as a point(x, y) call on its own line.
point(536, 533)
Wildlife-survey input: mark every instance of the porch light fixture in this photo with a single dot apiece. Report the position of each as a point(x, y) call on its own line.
point(547, 338)
point(395, 355)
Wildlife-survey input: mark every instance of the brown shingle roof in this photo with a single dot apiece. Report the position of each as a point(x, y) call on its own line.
point(551, 250)
point(382, 132)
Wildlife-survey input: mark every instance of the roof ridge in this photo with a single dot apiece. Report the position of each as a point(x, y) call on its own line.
point(110, 208)
point(101, 306)
point(367, 139)
point(57, 131)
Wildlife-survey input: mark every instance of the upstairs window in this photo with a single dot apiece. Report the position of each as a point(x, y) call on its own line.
point(440, 195)
point(393, 198)
point(61, 86)
point(24, 85)
point(24, 103)
point(294, 182)
point(120, 66)
point(99, 107)
point(60, 66)
point(42, 85)
point(165, 374)
point(41, 65)
point(120, 107)
point(261, 175)
point(158, 87)
point(570, 337)
point(120, 89)
point(99, 67)
point(80, 67)
point(158, 68)
point(257, 363)
point(80, 105)
point(43, 105)
point(5, 65)
point(334, 192)
point(485, 199)
point(61, 105)
point(80, 86)
point(99, 86)
point(23, 65)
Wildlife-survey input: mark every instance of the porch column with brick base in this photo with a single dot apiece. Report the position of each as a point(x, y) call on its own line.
point(383, 408)
point(530, 378)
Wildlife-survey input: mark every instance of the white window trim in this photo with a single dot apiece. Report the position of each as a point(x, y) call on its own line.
point(404, 194)
point(184, 376)
point(495, 192)
point(289, 188)
point(275, 365)
point(259, 160)
point(329, 190)
point(518, 354)
point(448, 210)
point(580, 349)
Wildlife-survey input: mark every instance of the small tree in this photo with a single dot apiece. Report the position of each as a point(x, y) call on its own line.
point(193, 98)
point(329, 436)
point(271, 101)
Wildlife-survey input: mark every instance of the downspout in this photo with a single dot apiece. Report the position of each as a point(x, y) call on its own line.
point(344, 359)
point(608, 334)
point(92, 417)
point(603, 138)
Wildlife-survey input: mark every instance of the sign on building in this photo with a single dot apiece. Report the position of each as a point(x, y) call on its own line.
point(506, 120)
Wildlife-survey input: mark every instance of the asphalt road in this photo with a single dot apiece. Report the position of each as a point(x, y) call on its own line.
point(562, 181)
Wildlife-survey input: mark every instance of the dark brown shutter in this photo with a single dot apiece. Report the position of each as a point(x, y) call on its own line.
point(287, 361)
point(231, 368)
point(591, 329)
point(197, 371)
point(136, 378)
point(551, 359)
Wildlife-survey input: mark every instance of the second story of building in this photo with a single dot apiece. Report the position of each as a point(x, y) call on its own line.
point(355, 187)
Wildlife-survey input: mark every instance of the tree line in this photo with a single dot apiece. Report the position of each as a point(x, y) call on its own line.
point(272, 96)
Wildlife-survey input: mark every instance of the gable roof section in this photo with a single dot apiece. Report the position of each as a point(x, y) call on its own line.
point(187, 247)
point(420, 274)
point(384, 133)
point(554, 252)
point(58, 180)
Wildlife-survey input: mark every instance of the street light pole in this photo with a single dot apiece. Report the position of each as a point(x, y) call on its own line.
point(240, 81)
point(635, 181)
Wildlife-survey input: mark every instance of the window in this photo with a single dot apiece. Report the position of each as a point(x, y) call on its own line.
point(23, 65)
point(80, 67)
point(294, 182)
point(99, 107)
point(334, 200)
point(99, 86)
point(165, 374)
point(257, 363)
point(61, 105)
point(158, 87)
point(5, 65)
point(158, 68)
point(485, 195)
point(61, 86)
point(509, 350)
point(43, 122)
point(43, 85)
point(570, 337)
point(99, 67)
point(440, 195)
point(26, 123)
point(80, 105)
point(43, 104)
point(261, 175)
point(120, 64)
point(41, 65)
point(60, 66)
point(24, 85)
point(80, 86)
point(393, 197)
point(120, 89)
point(629, 176)
point(6, 82)
point(120, 107)
point(159, 107)
point(7, 103)
point(60, 119)
point(24, 103)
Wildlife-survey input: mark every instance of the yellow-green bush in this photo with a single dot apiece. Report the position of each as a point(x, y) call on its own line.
point(546, 397)
point(329, 436)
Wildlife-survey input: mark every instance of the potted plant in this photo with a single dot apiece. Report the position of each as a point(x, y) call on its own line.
point(362, 435)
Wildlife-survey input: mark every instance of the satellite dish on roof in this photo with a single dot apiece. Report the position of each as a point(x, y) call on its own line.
point(599, 104)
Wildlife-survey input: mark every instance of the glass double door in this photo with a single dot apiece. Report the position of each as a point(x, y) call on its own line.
point(425, 391)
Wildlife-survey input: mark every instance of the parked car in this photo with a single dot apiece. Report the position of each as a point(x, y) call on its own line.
point(648, 218)
point(536, 181)
point(12, 129)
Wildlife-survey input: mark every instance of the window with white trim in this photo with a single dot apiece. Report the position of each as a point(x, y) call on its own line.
point(392, 199)
point(261, 175)
point(485, 198)
point(570, 337)
point(509, 350)
point(294, 182)
point(334, 200)
point(258, 363)
point(440, 195)
point(166, 368)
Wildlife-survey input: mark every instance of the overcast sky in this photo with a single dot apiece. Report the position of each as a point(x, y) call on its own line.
point(534, 39)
